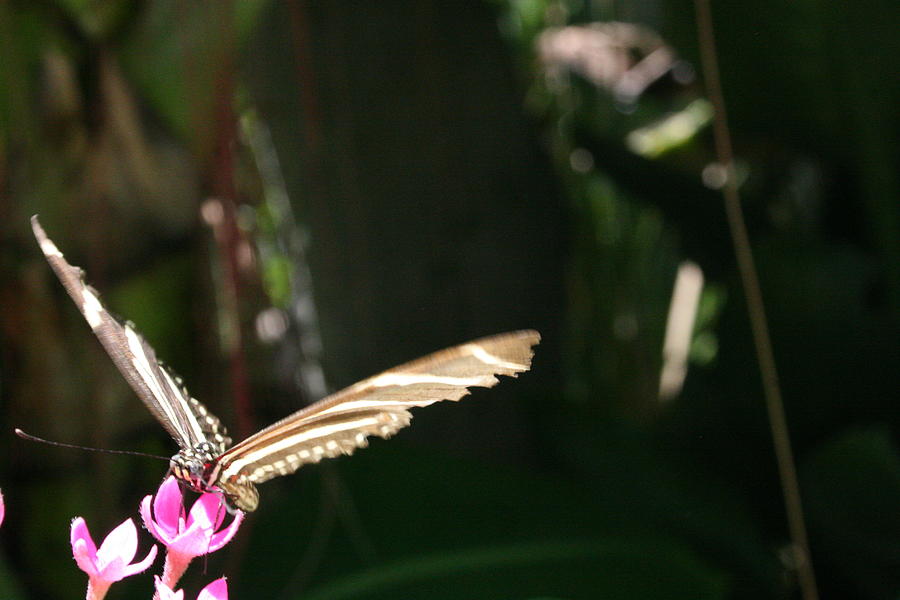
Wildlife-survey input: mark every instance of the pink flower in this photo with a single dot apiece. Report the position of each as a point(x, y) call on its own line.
point(2, 508)
point(195, 535)
point(186, 537)
point(111, 562)
point(217, 590)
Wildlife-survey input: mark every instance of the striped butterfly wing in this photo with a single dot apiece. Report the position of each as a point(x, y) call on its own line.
point(186, 420)
point(210, 426)
point(378, 406)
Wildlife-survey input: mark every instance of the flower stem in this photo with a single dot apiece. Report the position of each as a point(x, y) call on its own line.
point(97, 588)
point(176, 564)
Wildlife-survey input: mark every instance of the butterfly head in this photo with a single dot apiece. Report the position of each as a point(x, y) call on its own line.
point(196, 467)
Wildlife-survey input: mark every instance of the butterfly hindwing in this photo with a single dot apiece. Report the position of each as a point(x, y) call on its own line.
point(377, 406)
point(160, 391)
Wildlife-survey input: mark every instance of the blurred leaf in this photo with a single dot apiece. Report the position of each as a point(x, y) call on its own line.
point(648, 488)
point(180, 56)
point(247, 16)
point(157, 300)
point(437, 525)
point(609, 569)
point(97, 18)
point(277, 279)
point(23, 34)
point(52, 505)
point(10, 587)
point(704, 348)
point(705, 345)
point(672, 131)
point(851, 490)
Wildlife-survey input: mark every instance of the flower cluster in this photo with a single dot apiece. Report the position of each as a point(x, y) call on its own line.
point(185, 537)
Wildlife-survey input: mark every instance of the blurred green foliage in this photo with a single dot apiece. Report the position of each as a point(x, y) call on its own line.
point(398, 176)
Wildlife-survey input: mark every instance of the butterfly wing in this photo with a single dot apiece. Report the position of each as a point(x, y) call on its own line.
point(211, 427)
point(186, 420)
point(378, 406)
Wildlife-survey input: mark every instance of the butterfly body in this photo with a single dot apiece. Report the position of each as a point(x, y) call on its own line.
point(199, 469)
point(336, 425)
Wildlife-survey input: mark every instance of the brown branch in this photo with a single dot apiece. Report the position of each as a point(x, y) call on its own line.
point(784, 455)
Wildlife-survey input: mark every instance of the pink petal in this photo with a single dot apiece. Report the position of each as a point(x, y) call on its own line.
point(2, 509)
point(83, 549)
point(224, 536)
point(121, 543)
point(195, 541)
point(147, 517)
point(165, 521)
point(130, 570)
point(114, 570)
point(217, 590)
point(84, 557)
point(167, 506)
point(207, 511)
point(80, 531)
point(197, 538)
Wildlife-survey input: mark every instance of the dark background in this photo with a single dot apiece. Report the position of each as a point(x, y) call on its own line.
point(384, 179)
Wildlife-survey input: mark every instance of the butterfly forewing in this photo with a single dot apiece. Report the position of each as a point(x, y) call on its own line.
point(377, 406)
point(211, 427)
point(135, 359)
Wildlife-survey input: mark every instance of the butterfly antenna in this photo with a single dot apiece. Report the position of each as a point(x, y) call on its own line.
point(32, 438)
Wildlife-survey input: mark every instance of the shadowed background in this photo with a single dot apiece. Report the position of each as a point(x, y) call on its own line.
point(288, 197)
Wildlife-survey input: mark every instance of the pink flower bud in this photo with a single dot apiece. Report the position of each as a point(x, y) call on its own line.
point(217, 590)
point(164, 592)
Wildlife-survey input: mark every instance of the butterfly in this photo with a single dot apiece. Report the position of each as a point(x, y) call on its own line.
point(336, 425)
